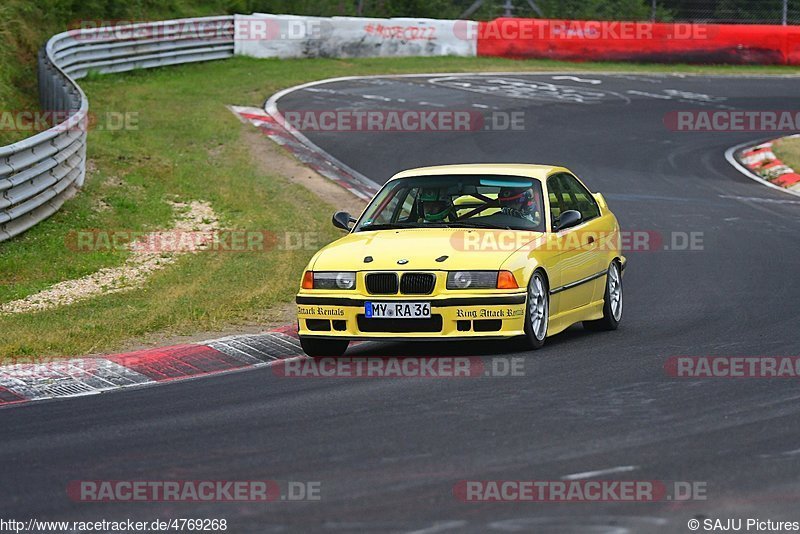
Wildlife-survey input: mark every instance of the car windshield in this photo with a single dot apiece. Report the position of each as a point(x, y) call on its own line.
point(468, 201)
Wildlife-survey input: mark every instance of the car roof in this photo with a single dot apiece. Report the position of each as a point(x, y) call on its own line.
point(539, 172)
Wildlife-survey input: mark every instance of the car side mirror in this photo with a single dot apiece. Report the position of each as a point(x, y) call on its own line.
point(568, 219)
point(343, 220)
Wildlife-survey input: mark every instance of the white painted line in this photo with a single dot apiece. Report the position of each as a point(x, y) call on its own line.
point(761, 199)
point(579, 80)
point(783, 454)
point(650, 95)
point(376, 97)
point(730, 155)
point(439, 527)
point(592, 474)
point(525, 89)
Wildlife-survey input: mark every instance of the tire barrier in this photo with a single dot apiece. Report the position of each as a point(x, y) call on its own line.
point(639, 41)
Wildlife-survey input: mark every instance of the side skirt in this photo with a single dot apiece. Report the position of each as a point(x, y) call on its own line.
point(562, 321)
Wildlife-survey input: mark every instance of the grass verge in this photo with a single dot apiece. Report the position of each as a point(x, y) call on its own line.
point(187, 146)
point(788, 151)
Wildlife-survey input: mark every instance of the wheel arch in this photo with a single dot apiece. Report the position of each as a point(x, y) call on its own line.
point(541, 269)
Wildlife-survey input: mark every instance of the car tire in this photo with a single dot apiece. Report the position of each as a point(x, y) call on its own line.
point(537, 311)
point(323, 347)
point(612, 301)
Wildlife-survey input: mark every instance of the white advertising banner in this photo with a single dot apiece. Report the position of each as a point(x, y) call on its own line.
point(291, 36)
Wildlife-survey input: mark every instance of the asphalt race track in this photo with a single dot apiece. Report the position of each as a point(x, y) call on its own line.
point(388, 452)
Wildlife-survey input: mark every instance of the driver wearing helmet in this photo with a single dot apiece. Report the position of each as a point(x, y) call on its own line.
point(434, 209)
point(518, 202)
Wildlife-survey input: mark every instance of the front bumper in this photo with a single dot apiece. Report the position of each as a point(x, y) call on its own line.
point(464, 317)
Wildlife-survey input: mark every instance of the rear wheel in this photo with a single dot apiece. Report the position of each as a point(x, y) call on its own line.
point(612, 302)
point(322, 347)
point(537, 312)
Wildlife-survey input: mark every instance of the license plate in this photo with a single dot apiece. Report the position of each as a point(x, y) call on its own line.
point(397, 310)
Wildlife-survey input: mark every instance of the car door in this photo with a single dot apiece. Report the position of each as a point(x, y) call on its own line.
point(595, 230)
point(578, 259)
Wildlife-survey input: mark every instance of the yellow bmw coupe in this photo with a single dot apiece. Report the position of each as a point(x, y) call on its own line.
point(464, 252)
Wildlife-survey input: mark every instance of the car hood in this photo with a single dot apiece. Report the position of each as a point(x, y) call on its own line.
point(465, 249)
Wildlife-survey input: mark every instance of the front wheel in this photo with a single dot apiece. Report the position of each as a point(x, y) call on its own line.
point(537, 312)
point(323, 347)
point(612, 302)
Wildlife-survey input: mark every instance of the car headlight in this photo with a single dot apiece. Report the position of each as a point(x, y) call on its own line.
point(472, 280)
point(335, 280)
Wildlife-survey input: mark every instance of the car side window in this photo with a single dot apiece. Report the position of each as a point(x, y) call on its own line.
point(556, 199)
point(577, 197)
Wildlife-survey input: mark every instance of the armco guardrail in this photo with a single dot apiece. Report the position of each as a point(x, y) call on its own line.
point(39, 173)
